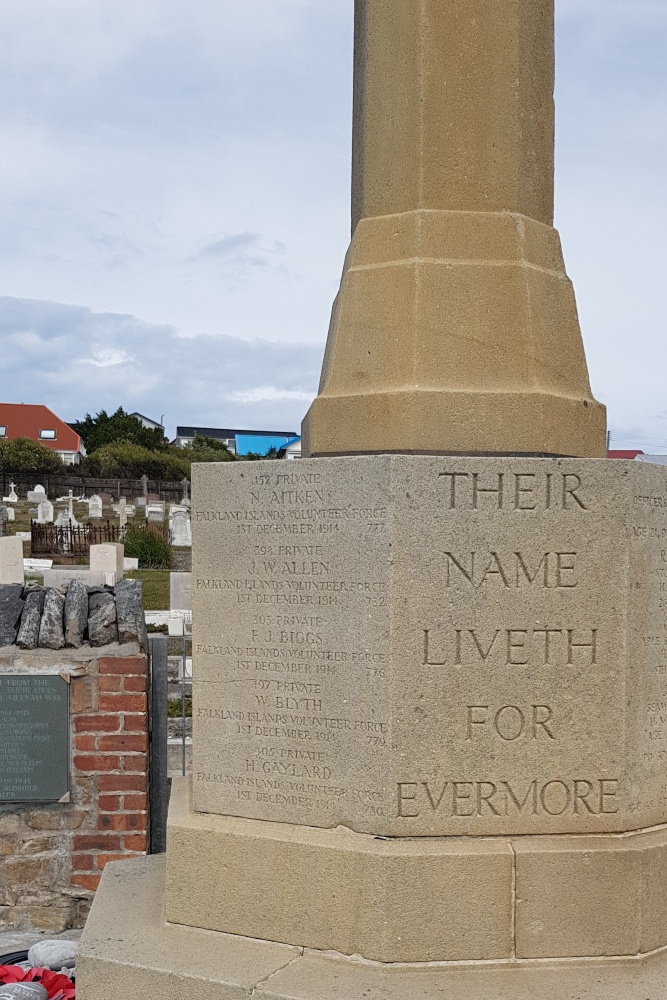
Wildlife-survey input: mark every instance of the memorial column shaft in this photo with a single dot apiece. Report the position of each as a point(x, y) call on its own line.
point(454, 107)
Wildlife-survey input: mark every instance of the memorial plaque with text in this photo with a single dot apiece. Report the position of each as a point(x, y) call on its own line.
point(418, 646)
point(34, 738)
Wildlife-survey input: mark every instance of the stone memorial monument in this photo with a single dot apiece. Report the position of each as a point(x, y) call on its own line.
point(429, 665)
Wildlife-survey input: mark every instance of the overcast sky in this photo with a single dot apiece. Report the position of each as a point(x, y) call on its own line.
point(174, 203)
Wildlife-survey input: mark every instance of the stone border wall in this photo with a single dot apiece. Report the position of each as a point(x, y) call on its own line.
point(52, 854)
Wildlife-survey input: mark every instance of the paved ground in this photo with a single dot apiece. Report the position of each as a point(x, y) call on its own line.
point(21, 940)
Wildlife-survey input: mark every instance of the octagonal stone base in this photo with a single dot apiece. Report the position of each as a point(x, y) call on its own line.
point(129, 951)
point(417, 900)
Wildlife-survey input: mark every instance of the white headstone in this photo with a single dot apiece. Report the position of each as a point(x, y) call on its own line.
point(95, 507)
point(11, 560)
point(155, 512)
point(180, 591)
point(107, 558)
point(181, 529)
point(13, 496)
point(36, 495)
point(45, 512)
point(11, 514)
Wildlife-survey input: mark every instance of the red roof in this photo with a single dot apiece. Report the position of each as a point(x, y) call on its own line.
point(624, 454)
point(26, 420)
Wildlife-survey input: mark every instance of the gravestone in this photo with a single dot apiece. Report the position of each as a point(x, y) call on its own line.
point(11, 560)
point(121, 510)
point(34, 750)
point(107, 499)
point(180, 591)
point(181, 529)
point(429, 671)
point(13, 496)
point(155, 511)
point(95, 507)
point(45, 512)
point(11, 514)
point(4, 517)
point(37, 495)
point(107, 558)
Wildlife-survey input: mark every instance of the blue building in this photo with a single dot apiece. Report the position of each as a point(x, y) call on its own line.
point(240, 442)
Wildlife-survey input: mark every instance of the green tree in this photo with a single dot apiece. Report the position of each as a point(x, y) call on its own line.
point(204, 449)
point(25, 455)
point(103, 429)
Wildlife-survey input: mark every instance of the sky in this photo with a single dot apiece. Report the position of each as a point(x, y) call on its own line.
point(174, 204)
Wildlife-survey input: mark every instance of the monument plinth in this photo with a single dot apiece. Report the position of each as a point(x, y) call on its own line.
point(429, 689)
point(455, 329)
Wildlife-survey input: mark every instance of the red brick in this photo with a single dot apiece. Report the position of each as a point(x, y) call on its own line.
point(129, 744)
point(109, 803)
point(122, 703)
point(108, 683)
point(135, 723)
point(83, 862)
point(123, 665)
point(97, 723)
point(125, 822)
point(104, 859)
point(122, 783)
point(96, 842)
point(134, 842)
point(131, 684)
point(97, 762)
point(85, 742)
point(135, 803)
point(90, 882)
point(137, 763)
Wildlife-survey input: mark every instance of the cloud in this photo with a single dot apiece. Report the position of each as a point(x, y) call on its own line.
point(189, 164)
point(77, 361)
point(266, 393)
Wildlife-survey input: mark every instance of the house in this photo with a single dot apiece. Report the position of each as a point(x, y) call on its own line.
point(151, 425)
point(291, 450)
point(40, 424)
point(239, 442)
point(627, 454)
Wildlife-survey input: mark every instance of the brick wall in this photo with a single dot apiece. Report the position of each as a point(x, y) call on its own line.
point(52, 855)
point(111, 749)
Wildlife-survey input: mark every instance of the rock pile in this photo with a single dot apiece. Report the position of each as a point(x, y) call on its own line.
point(34, 617)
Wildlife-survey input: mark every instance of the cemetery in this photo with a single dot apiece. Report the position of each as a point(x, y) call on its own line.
point(401, 731)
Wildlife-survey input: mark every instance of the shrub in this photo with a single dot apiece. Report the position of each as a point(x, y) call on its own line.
point(148, 547)
point(25, 455)
point(124, 459)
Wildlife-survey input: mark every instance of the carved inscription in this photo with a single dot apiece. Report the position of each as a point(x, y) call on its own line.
point(298, 690)
point(555, 797)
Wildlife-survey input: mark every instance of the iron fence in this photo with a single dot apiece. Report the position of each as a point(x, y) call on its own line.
point(71, 540)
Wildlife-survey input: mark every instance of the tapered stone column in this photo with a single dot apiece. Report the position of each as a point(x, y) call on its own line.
point(456, 329)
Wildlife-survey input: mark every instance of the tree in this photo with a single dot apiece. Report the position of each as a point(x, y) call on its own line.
point(25, 455)
point(204, 449)
point(103, 429)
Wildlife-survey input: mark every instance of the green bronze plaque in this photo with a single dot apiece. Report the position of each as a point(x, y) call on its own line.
point(34, 738)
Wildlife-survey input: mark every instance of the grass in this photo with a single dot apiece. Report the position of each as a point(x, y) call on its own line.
point(156, 587)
